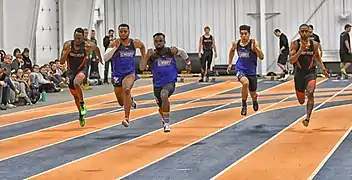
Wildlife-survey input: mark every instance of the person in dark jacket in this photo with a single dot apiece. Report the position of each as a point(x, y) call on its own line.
point(27, 61)
point(106, 42)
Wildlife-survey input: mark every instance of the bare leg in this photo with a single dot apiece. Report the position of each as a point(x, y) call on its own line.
point(127, 85)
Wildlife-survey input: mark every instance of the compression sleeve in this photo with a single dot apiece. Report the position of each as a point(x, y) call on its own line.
point(181, 52)
point(109, 53)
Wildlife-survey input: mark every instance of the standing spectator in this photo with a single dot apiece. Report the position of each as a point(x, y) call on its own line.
point(26, 60)
point(284, 51)
point(106, 42)
point(316, 38)
point(345, 49)
point(88, 62)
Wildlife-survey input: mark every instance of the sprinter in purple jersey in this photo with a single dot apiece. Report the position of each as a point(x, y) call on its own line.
point(162, 62)
point(122, 53)
point(246, 66)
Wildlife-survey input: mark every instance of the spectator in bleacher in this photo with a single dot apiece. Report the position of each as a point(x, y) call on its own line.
point(38, 80)
point(5, 86)
point(27, 61)
point(88, 62)
point(2, 55)
point(17, 63)
point(8, 64)
point(106, 42)
point(56, 73)
point(32, 90)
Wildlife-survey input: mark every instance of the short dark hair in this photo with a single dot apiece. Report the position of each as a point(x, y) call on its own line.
point(79, 30)
point(347, 26)
point(206, 27)
point(245, 28)
point(111, 30)
point(277, 31)
point(159, 34)
point(311, 26)
point(93, 30)
point(124, 25)
point(35, 65)
point(302, 25)
point(56, 60)
point(16, 51)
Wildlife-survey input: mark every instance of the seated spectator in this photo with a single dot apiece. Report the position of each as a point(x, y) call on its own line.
point(8, 64)
point(17, 63)
point(31, 89)
point(37, 79)
point(2, 56)
point(26, 60)
point(5, 86)
point(62, 68)
point(56, 73)
point(48, 76)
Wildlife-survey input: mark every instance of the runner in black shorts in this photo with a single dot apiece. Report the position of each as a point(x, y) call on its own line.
point(206, 46)
point(163, 64)
point(303, 52)
point(75, 53)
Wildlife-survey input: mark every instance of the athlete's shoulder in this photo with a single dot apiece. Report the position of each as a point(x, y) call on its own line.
point(138, 41)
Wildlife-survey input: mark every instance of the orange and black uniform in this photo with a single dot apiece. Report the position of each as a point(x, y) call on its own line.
point(305, 71)
point(76, 63)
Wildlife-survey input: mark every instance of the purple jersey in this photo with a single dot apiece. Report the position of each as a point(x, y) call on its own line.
point(164, 67)
point(247, 59)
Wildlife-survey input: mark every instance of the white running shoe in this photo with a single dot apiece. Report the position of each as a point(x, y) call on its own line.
point(167, 127)
point(125, 123)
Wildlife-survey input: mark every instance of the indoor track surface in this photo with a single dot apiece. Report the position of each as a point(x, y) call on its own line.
point(209, 137)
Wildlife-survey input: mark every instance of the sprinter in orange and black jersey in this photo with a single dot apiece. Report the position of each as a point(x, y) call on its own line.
point(303, 52)
point(75, 52)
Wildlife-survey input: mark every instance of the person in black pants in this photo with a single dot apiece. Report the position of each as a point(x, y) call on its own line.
point(205, 52)
point(284, 52)
point(106, 42)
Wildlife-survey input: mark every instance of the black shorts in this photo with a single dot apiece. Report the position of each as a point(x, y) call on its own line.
point(157, 90)
point(206, 59)
point(282, 58)
point(302, 79)
point(345, 57)
point(72, 75)
point(252, 80)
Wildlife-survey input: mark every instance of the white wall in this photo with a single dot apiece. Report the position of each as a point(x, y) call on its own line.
point(18, 25)
point(73, 14)
point(182, 21)
point(47, 40)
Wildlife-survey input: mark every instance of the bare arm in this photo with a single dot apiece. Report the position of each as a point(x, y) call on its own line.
point(294, 55)
point(144, 61)
point(140, 45)
point(321, 50)
point(200, 47)
point(92, 47)
point(317, 56)
point(319, 60)
point(348, 46)
point(65, 52)
point(232, 52)
point(257, 50)
point(214, 46)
